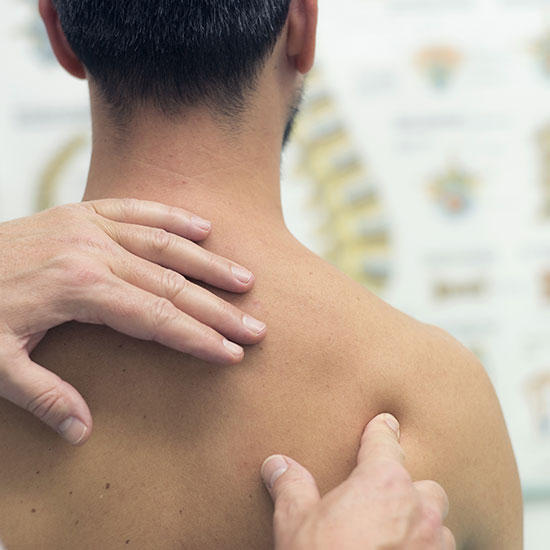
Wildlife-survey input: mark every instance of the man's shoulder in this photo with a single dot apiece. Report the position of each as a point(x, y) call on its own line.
point(452, 423)
point(456, 434)
point(418, 350)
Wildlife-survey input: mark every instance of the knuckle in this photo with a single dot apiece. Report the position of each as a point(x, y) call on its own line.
point(89, 206)
point(70, 217)
point(379, 441)
point(425, 536)
point(62, 211)
point(205, 339)
point(163, 312)
point(225, 310)
point(81, 227)
point(433, 495)
point(394, 478)
point(96, 243)
point(130, 207)
point(291, 487)
point(119, 309)
point(210, 260)
point(429, 528)
point(92, 239)
point(161, 240)
point(173, 213)
point(432, 518)
point(79, 272)
point(70, 209)
point(173, 284)
point(49, 405)
point(283, 513)
point(289, 501)
point(402, 516)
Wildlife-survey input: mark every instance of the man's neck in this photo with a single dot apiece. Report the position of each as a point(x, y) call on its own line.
point(232, 180)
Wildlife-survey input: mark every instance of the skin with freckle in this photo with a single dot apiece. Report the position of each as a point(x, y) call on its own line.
point(174, 460)
point(188, 471)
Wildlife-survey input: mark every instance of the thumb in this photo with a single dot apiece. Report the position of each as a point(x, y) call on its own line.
point(48, 397)
point(294, 493)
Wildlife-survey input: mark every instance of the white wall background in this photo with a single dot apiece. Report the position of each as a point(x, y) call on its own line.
point(442, 101)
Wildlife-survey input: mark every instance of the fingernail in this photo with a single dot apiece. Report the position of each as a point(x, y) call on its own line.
point(232, 347)
point(272, 469)
point(241, 274)
point(205, 225)
point(392, 422)
point(73, 430)
point(253, 324)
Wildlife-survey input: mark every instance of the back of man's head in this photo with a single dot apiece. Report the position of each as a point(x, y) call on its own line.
point(173, 54)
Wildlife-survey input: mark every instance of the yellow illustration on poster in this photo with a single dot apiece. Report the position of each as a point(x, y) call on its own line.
point(355, 230)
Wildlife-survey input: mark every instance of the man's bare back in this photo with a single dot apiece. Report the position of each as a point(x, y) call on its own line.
point(174, 459)
point(184, 474)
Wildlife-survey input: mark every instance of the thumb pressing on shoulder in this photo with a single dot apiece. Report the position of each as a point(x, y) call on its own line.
point(48, 397)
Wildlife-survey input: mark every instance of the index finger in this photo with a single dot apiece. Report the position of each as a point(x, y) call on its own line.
point(380, 442)
point(433, 495)
point(153, 214)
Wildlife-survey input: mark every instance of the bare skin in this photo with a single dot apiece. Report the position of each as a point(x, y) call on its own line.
point(378, 506)
point(185, 474)
point(105, 262)
point(335, 357)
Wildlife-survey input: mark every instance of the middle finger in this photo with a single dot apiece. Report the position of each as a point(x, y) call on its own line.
point(432, 492)
point(184, 256)
point(190, 298)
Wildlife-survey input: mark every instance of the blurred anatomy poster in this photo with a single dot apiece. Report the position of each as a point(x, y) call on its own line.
point(425, 139)
point(421, 167)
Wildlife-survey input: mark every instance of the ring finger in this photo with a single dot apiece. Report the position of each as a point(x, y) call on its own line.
point(190, 298)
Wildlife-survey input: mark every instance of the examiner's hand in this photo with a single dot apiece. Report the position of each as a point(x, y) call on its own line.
point(100, 262)
point(377, 507)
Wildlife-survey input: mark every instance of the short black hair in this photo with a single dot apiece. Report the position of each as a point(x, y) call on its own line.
point(173, 53)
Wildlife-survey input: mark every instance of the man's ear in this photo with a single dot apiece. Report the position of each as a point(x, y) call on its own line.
point(63, 51)
point(302, 33)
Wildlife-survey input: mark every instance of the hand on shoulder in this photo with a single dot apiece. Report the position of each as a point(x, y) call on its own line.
point(378, 506)
point(118, 262)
